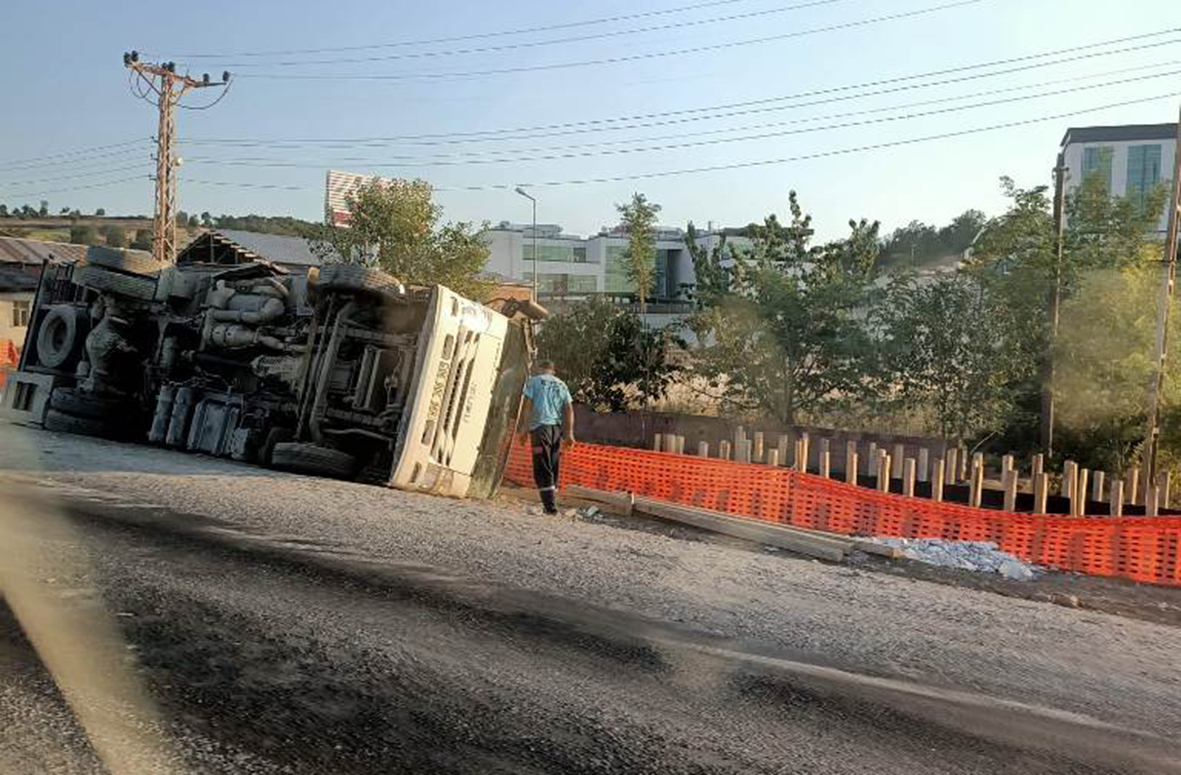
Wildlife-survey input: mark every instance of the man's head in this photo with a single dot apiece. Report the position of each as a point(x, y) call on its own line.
point(544, 367)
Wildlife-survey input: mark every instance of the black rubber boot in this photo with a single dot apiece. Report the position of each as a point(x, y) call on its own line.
point(547, 502)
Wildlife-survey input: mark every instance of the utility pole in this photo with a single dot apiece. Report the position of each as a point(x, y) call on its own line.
point(1047, 418)
point(168, 88)
point(1164, 309)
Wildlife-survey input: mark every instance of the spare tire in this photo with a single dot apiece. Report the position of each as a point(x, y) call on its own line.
point(61, 335)
point(312, 459)
point(115, 283)
point(60, 422)
point(70, 401)
point(350, 278)
point(134, 261)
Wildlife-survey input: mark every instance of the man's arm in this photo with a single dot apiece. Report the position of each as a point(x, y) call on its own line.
point(569, 441)
point(523, 420)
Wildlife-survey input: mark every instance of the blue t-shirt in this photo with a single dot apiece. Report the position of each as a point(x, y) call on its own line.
point(550, 397)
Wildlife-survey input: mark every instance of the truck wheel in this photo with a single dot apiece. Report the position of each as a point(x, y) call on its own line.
point(276, 435)
point(60, 422)
point(350, 278)
point(61, 336)
point(134, 261)
point(312, 459)
point(108, 281)
point(87, 405)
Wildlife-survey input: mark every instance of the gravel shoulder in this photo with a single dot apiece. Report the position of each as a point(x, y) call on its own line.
point(1111, 668)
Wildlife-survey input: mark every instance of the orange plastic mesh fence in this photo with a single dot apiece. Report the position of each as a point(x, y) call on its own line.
point(1138, 548)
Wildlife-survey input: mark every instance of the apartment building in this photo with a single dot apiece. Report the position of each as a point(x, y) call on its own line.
point(1132, 158)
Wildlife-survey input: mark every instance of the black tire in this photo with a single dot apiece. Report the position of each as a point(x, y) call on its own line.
point(314, 460)
point(60, 422)
point(108, 281)
point(350, 278)
point(134, 261)
point(275, 436)
point(70, 401)
point(61, 335)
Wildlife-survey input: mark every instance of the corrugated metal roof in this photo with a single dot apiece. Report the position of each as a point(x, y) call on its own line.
point(273, 247)
point(1121, 133)
point(14, 250)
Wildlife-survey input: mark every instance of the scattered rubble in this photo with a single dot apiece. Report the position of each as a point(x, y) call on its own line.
point(978, 556)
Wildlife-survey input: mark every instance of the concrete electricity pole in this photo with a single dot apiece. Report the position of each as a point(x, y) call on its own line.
point(168, 88)
point(1152, 441)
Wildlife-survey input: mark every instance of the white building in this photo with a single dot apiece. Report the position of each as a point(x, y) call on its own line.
point(1132, 158)
point(572, 265)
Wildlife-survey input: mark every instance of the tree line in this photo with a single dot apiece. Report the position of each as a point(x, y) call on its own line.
point(845, 332)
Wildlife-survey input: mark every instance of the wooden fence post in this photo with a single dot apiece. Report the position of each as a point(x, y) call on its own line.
point(1165, 486)
point(742, 451)
point(658, 442)
point(1151, 501)
point(825, 460)
point(703, 449)
point(782, 445)
point(1116, 502)
point(773, 457)
point(871, 460)
point(1098, 480)
point(851, 468)
point(908, 473)
point(757, 450)
point(1132, 485)
point(953, 465)
point(1041, 490)
point(1078, 500)
point(1006, 464)
point(1069, 479)
point(883, 471)
point(724, 449)
point(804, 449)
point(924, 469)
point(937, 472)
point(897, 461)
point(1009, 483)
point(976, 480)
point(963, 463)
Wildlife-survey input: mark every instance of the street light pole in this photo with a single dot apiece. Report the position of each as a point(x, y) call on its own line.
point(526, 194)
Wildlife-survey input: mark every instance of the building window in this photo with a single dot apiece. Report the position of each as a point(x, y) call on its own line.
point(569, 254)
point(616, 275)
point(1097, 161)
point(20, 313)
point(1143, 171)
point(564, 283)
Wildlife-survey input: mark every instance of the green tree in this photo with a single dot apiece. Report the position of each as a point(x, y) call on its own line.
point(182, 219)
point(83, 235)
point(783, 322)
point(44, 211)
point(100, 212)
point(607, 357)
point(3, 211)
point(395, 225)
point(638, 221)
point(142, 239)
point(207, 220)
point(115, 236)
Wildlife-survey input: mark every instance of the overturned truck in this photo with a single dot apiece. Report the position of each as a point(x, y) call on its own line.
point(343, 372)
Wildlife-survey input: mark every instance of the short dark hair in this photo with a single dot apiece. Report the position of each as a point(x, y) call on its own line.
point(545, 364)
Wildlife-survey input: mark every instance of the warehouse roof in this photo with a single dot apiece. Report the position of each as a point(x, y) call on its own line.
point(1120, 133)
point(15, 250)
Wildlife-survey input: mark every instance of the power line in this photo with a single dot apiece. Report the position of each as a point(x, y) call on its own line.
point(818, 154)
point(471, 36)
point(761, 162)
point(77, 161)
point(572, 152)
point(537, 43)
point(78, 151)
point(621, 59)
point(72, 176)
point(598, 123)
point(71, 189)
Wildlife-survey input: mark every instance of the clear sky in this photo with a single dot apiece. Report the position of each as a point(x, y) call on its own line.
point(65, 89)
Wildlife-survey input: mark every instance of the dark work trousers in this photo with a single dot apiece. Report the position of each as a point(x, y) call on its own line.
point(547, 454)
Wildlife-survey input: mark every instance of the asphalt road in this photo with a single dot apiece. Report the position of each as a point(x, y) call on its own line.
point(241, 653)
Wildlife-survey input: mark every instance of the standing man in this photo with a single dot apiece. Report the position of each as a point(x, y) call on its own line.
point(547, 405)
